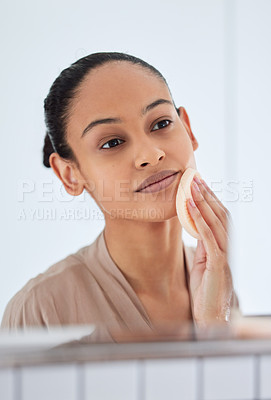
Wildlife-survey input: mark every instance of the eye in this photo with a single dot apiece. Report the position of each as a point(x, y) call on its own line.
point(161, 124)
point(110, 141)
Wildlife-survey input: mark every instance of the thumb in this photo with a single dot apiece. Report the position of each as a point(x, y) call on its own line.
point(200, 255)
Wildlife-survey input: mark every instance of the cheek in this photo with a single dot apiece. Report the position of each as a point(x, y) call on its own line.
point(182, 142)
point(183, 147)
point(182, 152)
point(110, 182)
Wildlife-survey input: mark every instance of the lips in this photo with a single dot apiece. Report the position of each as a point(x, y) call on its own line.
point(156, 178)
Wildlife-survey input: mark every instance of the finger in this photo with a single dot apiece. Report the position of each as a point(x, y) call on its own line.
point(204, 230)
point(221, 212)
point(213, 194)
point(227, 212)
point(210, 218)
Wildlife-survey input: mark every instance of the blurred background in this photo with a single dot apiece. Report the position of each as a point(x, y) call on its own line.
point(215, 55)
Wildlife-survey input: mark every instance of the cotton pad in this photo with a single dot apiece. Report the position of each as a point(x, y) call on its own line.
point(183, 194)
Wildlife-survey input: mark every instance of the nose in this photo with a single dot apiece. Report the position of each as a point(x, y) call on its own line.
point(148, 153)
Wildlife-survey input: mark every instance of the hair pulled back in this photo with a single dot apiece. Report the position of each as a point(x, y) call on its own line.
point(62, 92)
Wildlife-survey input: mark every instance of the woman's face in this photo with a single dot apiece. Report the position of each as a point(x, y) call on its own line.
point(136, 137)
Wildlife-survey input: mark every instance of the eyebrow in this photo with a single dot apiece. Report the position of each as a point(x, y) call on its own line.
point(118, 120)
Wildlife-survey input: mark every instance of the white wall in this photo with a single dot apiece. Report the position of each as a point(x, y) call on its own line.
point(215, 57)
point(253, 142)
point(235, 377)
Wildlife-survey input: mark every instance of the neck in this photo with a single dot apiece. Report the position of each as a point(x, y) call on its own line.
point(149, 254)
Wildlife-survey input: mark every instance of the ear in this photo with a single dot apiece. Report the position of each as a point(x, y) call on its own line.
point(67, 173)
point(185, 120)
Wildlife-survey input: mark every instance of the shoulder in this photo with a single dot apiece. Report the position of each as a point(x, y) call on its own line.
point(40, 297)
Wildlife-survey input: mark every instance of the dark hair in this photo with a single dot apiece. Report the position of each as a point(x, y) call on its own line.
point(62, 92)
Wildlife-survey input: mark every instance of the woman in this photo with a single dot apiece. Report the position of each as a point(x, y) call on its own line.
point(112, 124)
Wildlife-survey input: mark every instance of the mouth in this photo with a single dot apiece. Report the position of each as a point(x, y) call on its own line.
point(159, 185)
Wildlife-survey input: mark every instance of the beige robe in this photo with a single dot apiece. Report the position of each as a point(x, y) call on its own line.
point(86, 287)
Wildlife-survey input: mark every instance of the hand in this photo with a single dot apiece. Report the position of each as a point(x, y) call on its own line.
point(210, 278)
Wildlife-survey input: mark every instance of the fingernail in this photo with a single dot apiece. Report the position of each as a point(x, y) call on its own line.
point(196, 179)
point(191, 202)
point(196, 186)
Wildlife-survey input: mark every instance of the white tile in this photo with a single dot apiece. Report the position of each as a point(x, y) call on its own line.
point(265, 377)
point(172, 379)
point(228, 378)
point(51, 382)
point(111, 380)
point(6, 384)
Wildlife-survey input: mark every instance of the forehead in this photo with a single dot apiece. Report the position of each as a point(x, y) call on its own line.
point(117, 85)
